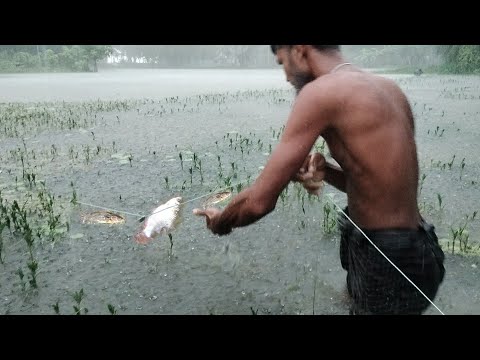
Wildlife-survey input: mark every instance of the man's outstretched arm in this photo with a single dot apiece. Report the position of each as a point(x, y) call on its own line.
point(309, 117)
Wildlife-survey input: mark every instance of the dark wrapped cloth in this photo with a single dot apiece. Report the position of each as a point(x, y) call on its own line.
point(373, 283)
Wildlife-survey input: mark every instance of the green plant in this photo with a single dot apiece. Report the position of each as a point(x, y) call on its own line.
point(74, 200)
point(462, 167)
point(112, 309)
point(329, 219)
point(21, 275)
point(181, 159)
point(439, 198)
point(56, 308)
point(424, 176)
point(78, 296)
point(170, 237)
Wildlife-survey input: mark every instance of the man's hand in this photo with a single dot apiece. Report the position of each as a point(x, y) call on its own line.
point(212, 216)
point(312, 173)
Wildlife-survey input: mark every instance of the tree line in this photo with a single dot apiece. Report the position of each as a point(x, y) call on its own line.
point(455, 59)
point(46, 58)
point(25, 58)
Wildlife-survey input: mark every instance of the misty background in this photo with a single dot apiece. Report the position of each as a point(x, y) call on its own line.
point(127, 127)
point(90, 58)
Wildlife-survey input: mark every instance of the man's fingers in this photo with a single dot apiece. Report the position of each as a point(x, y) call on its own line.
point(317, 161)
point(314, 190)
point(304, 177)
point(312, 187)
point(305, 164)
point(303, 169)
point(199, 212)
point(209, 213)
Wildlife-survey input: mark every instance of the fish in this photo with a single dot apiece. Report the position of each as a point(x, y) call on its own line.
point(163, 220)
point(216, 198)
point(102, 217)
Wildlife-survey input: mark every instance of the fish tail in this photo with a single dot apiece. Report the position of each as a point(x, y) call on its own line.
point(141, 238)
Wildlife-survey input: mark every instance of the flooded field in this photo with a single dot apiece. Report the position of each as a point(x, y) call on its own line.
point(130, 140)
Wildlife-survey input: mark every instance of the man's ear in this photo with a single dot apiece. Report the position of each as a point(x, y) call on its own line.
point(299, 53)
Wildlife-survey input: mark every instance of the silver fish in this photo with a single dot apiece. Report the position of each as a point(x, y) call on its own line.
point(163, 220)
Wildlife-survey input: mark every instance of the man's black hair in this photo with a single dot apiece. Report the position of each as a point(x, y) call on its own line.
point(274, 48)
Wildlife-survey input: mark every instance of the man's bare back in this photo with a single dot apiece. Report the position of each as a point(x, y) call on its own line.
point(372, 139)
point(368, 125)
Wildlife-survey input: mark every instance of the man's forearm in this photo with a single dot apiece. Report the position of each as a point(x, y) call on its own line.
point(334, 176)
point(240, 212)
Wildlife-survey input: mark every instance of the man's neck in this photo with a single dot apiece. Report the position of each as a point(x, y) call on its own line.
point(324, 63)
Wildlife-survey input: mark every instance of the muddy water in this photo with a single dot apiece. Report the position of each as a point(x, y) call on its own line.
point(287, 263)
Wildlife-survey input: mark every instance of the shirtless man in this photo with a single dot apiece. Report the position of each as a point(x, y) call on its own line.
point(368, 125)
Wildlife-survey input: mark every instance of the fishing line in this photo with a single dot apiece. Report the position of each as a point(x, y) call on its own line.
point(371, 242)
point(108, 209)
point(142, 217)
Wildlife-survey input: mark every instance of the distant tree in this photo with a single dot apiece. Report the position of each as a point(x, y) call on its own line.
point(95, 53)
point(74, 58)
point(393, 55)
point(198, 55)
point(51, 59)
point(31, 49)
point(460, 58)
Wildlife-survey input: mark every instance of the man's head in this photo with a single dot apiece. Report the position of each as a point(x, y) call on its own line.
point(318, 47)
point(297, 61)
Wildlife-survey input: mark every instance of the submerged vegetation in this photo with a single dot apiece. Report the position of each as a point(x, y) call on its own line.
point(128, 154)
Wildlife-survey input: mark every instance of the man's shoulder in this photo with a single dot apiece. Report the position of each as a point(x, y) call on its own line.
point(335, 84)
point(333, 90)
point(317, 95)
point(357, 86)
point(322, 88)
